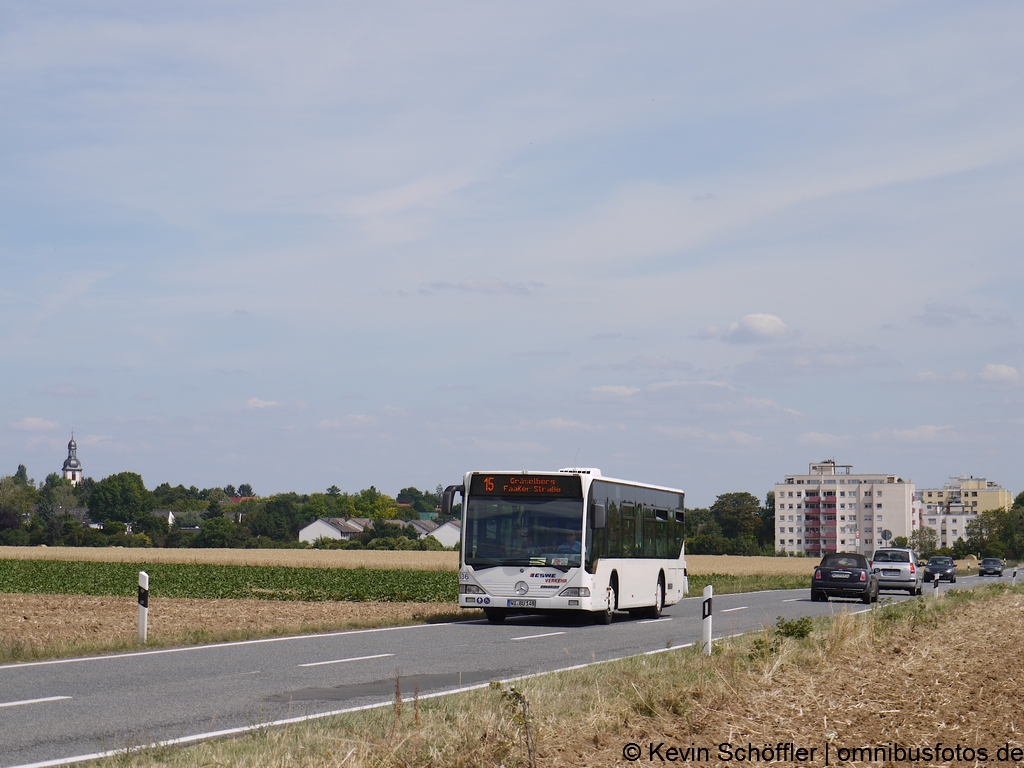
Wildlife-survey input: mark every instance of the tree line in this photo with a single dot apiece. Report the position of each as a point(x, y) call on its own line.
point(51, 513)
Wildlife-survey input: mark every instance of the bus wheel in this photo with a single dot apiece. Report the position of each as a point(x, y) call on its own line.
point(605, 616)
point(654, 612)
point(495, 615)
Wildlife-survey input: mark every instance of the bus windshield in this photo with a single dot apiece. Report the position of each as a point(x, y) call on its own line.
point(523, 531)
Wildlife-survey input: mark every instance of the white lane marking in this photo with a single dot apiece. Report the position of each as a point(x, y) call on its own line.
point(342, 661)
point(320, 715)
point(214, 646)
point(741, 608)
point(654, 621)
point(793, 600)
point(32, 701)
point(533, 637)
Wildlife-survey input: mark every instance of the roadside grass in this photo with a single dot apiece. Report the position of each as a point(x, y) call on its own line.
point(581, 716)
point(17, 651)
point(727, 584)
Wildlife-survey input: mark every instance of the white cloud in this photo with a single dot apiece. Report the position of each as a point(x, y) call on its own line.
point(926, 433)
point(255, 402)
point(560, 423)
point(677, 383)
point(751, 403)
point(737, 437)
point(95, 440)
point(490, 286)
point(615, 391)
point(1001, 374)
point(35, 424)
point(355, 420)
point(757, 328)
point(820, 438)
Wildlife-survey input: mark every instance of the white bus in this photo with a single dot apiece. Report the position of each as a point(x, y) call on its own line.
point(569, 540)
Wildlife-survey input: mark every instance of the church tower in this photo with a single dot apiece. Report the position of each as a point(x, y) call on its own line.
point(72, 466)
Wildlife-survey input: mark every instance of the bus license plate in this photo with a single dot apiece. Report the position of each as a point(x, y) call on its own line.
point(522, 603)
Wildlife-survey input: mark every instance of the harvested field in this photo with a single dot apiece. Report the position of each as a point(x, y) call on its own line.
point(38, 620)
point(373, 559)
point(292, 558)
point(700, 565)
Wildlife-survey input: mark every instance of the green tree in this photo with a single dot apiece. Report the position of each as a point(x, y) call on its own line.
point(215, 532)
point(924, 541)
point(120, 497)
point(22, 476)
point(334, 491)
point(900, 541)
point(423, 503)
point(986, 533)
point(16, 497)
point(766, 533)
point(153, 526)
point(245, 490)
point(738, 514)
point(376, 505)
point(230, 490)
point(83, 490)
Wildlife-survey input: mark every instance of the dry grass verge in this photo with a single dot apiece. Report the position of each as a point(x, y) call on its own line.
point(910, 675)
point(40, 626)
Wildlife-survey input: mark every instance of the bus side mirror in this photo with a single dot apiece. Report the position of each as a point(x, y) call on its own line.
point(598, 516)
point(448, 499)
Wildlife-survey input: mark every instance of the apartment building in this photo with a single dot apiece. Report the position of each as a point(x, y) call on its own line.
point(831, 509)
point(949, 509)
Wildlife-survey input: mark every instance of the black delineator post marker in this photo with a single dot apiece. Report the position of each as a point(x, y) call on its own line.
point(143, 606)
point(706, 619)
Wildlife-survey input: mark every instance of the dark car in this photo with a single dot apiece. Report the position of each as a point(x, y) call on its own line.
point(940, 568)
point(844, 574)
point(991, 566)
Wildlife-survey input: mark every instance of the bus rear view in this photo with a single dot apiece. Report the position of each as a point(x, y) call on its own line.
point(569, 540)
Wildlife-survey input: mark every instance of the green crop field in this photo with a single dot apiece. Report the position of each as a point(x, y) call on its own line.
point(204, 581)
point(228, 581)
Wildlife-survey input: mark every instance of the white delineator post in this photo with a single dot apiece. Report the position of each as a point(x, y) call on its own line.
point(1013, 581)
point(935, 586)
point(706, 623)
point(143, 606)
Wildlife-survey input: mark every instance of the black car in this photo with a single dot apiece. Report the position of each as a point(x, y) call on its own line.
point(940, 568)
point(844, 574)
point(991, 566)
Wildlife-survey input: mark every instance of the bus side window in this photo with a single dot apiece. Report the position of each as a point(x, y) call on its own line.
point(628, 540)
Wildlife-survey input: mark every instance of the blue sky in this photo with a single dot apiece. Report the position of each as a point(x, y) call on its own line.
point(697, 244)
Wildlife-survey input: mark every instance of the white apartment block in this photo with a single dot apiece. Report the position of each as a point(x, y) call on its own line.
point(830, 509)
point(949, 509)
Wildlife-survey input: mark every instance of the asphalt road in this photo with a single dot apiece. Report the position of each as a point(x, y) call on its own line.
point(52, 712)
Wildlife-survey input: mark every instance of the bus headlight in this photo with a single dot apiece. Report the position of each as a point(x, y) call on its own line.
point(575, 592)
point(470, 589)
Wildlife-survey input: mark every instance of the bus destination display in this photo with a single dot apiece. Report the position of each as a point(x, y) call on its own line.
point(557, 486)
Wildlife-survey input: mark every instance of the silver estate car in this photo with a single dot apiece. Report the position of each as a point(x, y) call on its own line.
point(897, 568)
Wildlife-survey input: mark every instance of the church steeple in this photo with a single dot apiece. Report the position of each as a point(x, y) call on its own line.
point(72, 466)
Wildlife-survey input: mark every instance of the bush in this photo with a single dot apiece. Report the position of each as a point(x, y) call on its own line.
point(801, 627)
